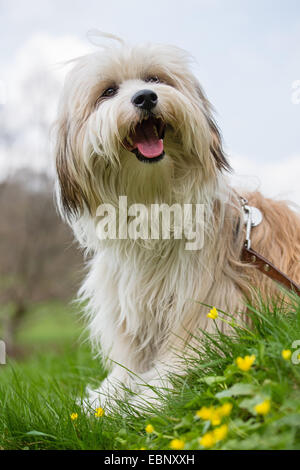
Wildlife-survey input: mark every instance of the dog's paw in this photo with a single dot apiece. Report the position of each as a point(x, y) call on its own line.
point(92, 401)
point(105, 397)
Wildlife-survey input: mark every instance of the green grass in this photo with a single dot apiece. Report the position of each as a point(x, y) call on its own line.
point(38, 394)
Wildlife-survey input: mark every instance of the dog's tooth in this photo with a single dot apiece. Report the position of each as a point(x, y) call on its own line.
point(146, 117)
point(130, 140)
point(155, 131)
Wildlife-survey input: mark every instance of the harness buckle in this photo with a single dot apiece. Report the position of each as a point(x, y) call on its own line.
point(252, 218)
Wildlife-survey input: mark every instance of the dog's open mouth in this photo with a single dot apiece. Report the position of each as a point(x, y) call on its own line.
point(146, 140)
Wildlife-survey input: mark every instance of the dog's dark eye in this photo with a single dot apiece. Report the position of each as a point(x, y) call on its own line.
point(153, 79)
point(111, 91)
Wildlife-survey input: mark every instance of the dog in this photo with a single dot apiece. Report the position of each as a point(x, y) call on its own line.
point(134, 121)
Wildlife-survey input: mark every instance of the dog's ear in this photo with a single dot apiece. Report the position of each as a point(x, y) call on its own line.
point(216, 146)
point(71, 193)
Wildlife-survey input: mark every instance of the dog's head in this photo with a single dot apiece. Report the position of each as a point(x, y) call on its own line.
point(133, 121)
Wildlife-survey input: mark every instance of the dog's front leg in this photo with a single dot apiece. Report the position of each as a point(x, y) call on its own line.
point(139, 389)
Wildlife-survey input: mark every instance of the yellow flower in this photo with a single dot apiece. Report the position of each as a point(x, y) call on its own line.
point(99, 412)
point(214, 415)
point(220, 433)
point(225, 409)
point(149, 429)
point(263, 408)
point(74, 416)
point(213, 314)
point(143, 448)
point(205, 413)
point(286, 354)
point(177, 444)
point(245, 363)
point(207, 440)
point(215, 418)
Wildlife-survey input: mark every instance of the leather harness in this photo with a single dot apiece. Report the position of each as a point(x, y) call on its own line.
point(252, 218)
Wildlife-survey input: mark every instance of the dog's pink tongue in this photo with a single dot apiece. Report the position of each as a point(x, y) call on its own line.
point(147, 141)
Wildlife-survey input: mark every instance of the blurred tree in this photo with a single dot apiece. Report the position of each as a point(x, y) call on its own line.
point(38, 260)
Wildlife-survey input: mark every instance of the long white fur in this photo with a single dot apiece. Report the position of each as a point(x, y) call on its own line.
point(141, 295)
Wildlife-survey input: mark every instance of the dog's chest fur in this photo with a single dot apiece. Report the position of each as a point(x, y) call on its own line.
point(139, 295)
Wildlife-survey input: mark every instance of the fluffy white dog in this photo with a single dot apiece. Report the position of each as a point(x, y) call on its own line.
point(134, 122)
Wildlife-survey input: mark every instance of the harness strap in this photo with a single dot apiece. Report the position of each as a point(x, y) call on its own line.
point(253, 258)
point(252, 218)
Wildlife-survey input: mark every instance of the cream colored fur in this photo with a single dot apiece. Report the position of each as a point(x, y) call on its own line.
point(143, 298)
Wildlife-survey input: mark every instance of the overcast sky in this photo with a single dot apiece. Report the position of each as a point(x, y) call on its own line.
point(247, 53)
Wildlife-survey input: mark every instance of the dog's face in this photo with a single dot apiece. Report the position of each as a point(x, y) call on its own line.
point(132, 120)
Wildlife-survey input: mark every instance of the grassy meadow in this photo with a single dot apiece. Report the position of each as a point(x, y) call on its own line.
point(240, 392)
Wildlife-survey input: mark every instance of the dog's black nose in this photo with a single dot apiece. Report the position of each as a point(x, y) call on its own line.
point(145, 99)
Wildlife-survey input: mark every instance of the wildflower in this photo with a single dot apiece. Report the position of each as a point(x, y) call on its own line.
point(74, 416)
point(263, 408)
point(214, 415)
point(220, 433)
point(99, 412)
point(215, 418)
point(205, 413)
point(286, 354)
point(149, 429)
point(207, 440)
point(177, 444)
point(213, 314)
point(245, 363)
point(225, 409)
